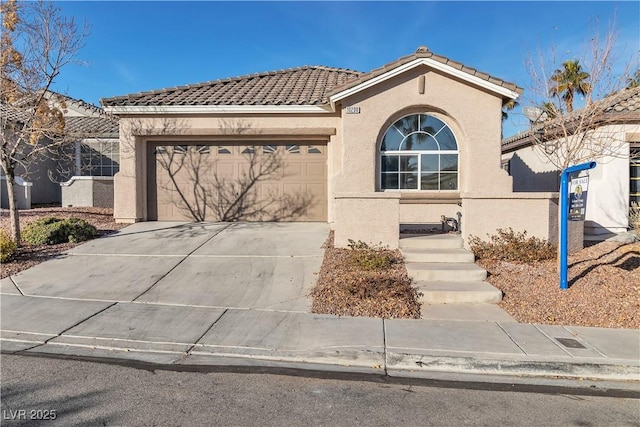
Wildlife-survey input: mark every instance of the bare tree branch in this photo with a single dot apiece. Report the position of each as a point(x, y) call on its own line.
point(37, 43)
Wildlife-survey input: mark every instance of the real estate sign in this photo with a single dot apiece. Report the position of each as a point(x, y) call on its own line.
point(578, 198)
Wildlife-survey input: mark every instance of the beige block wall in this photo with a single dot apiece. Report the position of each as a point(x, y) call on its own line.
point(370, 217)
point(535, 213)
point(135, 131)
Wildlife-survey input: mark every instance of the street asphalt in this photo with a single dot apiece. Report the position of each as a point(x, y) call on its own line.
point(207, 294)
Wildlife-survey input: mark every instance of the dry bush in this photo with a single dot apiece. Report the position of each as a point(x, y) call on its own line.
point(634, 216)
point(369, 257)
point(7, 246)
point(508, 245)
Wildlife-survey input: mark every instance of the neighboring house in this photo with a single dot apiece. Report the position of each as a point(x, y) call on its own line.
point(613, 185)
point(366, 152)
point(88, 181)
point(94, 154)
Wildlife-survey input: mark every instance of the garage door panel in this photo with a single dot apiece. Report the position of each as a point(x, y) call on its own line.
point(296, 190)
point(225, 169)
point(292, 169)
point(315, 170)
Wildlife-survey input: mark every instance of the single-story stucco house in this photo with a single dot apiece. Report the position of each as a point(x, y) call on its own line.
point(406, 143)
point(613, 131)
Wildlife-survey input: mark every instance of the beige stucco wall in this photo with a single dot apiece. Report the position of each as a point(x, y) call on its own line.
point(608, 197)
point(130, 183)
point(369, 217)
point(473, 114)
point(536, 214)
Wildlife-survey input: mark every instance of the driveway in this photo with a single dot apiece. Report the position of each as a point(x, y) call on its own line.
point(269, 266)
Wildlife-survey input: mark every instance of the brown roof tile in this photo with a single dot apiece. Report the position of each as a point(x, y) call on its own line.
point(306, 85)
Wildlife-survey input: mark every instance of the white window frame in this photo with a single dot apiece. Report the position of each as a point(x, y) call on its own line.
point(418, 154)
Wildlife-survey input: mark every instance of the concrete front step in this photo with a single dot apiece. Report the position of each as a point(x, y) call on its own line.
point(442, 271)
point(434, 241)
point(465, 312)
point(446, 255)
point(446, 292)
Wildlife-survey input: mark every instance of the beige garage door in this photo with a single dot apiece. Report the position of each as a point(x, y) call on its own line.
point(251, 182)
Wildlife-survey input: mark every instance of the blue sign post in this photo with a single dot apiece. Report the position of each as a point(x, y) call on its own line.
point(564, 219)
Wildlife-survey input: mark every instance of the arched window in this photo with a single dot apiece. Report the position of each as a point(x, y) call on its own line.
point(419, 152)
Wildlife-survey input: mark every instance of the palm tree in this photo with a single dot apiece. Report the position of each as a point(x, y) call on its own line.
point(508, 106)
point(549, 109)
point(634, 81)
point(568, 81)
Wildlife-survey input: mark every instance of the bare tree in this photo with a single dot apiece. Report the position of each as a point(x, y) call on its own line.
point(37, 43)
point(589, 83)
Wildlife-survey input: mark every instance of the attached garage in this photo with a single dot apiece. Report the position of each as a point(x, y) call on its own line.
point(225, 181)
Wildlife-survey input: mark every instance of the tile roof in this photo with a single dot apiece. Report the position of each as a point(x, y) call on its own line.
point(97, 125)
point(92, 127)
point(307, 85)
point(424, 52)
point(82, 104)
point(621, 106)
point(12, 113)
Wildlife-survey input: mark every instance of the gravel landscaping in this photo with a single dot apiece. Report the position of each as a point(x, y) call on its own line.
point(604, 290)
point(345, 289)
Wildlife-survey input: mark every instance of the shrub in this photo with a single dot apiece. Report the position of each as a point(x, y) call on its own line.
point(51, 231)
point(7, 246)
point(508, 245)
point(369, 257)
point(634, 216)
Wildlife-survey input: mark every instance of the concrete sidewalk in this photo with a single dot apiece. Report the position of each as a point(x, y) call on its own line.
point(210, 294)
point(188, 335)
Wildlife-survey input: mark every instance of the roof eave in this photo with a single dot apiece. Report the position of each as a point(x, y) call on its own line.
point(463, 75)
point(218, 109)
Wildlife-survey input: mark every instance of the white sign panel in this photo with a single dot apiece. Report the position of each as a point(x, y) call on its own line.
point(578, 198)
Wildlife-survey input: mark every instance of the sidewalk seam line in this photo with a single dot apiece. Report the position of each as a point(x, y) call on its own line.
point(70, 327)
point(512, 339)
point(181, 261)
point(384, 346)
point(205, 332)
point(589, 346)
point(554, 341)
point(16, 285)
point(82, 321)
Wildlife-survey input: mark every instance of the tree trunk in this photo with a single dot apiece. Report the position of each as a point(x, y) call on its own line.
point(14, 214)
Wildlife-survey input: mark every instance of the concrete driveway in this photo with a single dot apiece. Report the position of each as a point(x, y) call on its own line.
point(240, 265)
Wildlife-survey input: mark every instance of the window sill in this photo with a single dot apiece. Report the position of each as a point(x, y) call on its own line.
point(426, 197)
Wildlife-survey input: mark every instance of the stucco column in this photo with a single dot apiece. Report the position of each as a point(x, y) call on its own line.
point(370, 217)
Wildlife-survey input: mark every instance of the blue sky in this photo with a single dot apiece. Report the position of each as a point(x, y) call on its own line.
point(138, 46)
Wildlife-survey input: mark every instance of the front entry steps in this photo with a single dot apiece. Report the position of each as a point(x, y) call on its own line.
point(444, 272)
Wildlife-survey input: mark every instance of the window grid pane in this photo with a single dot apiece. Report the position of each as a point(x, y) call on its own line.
point(426, 152)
